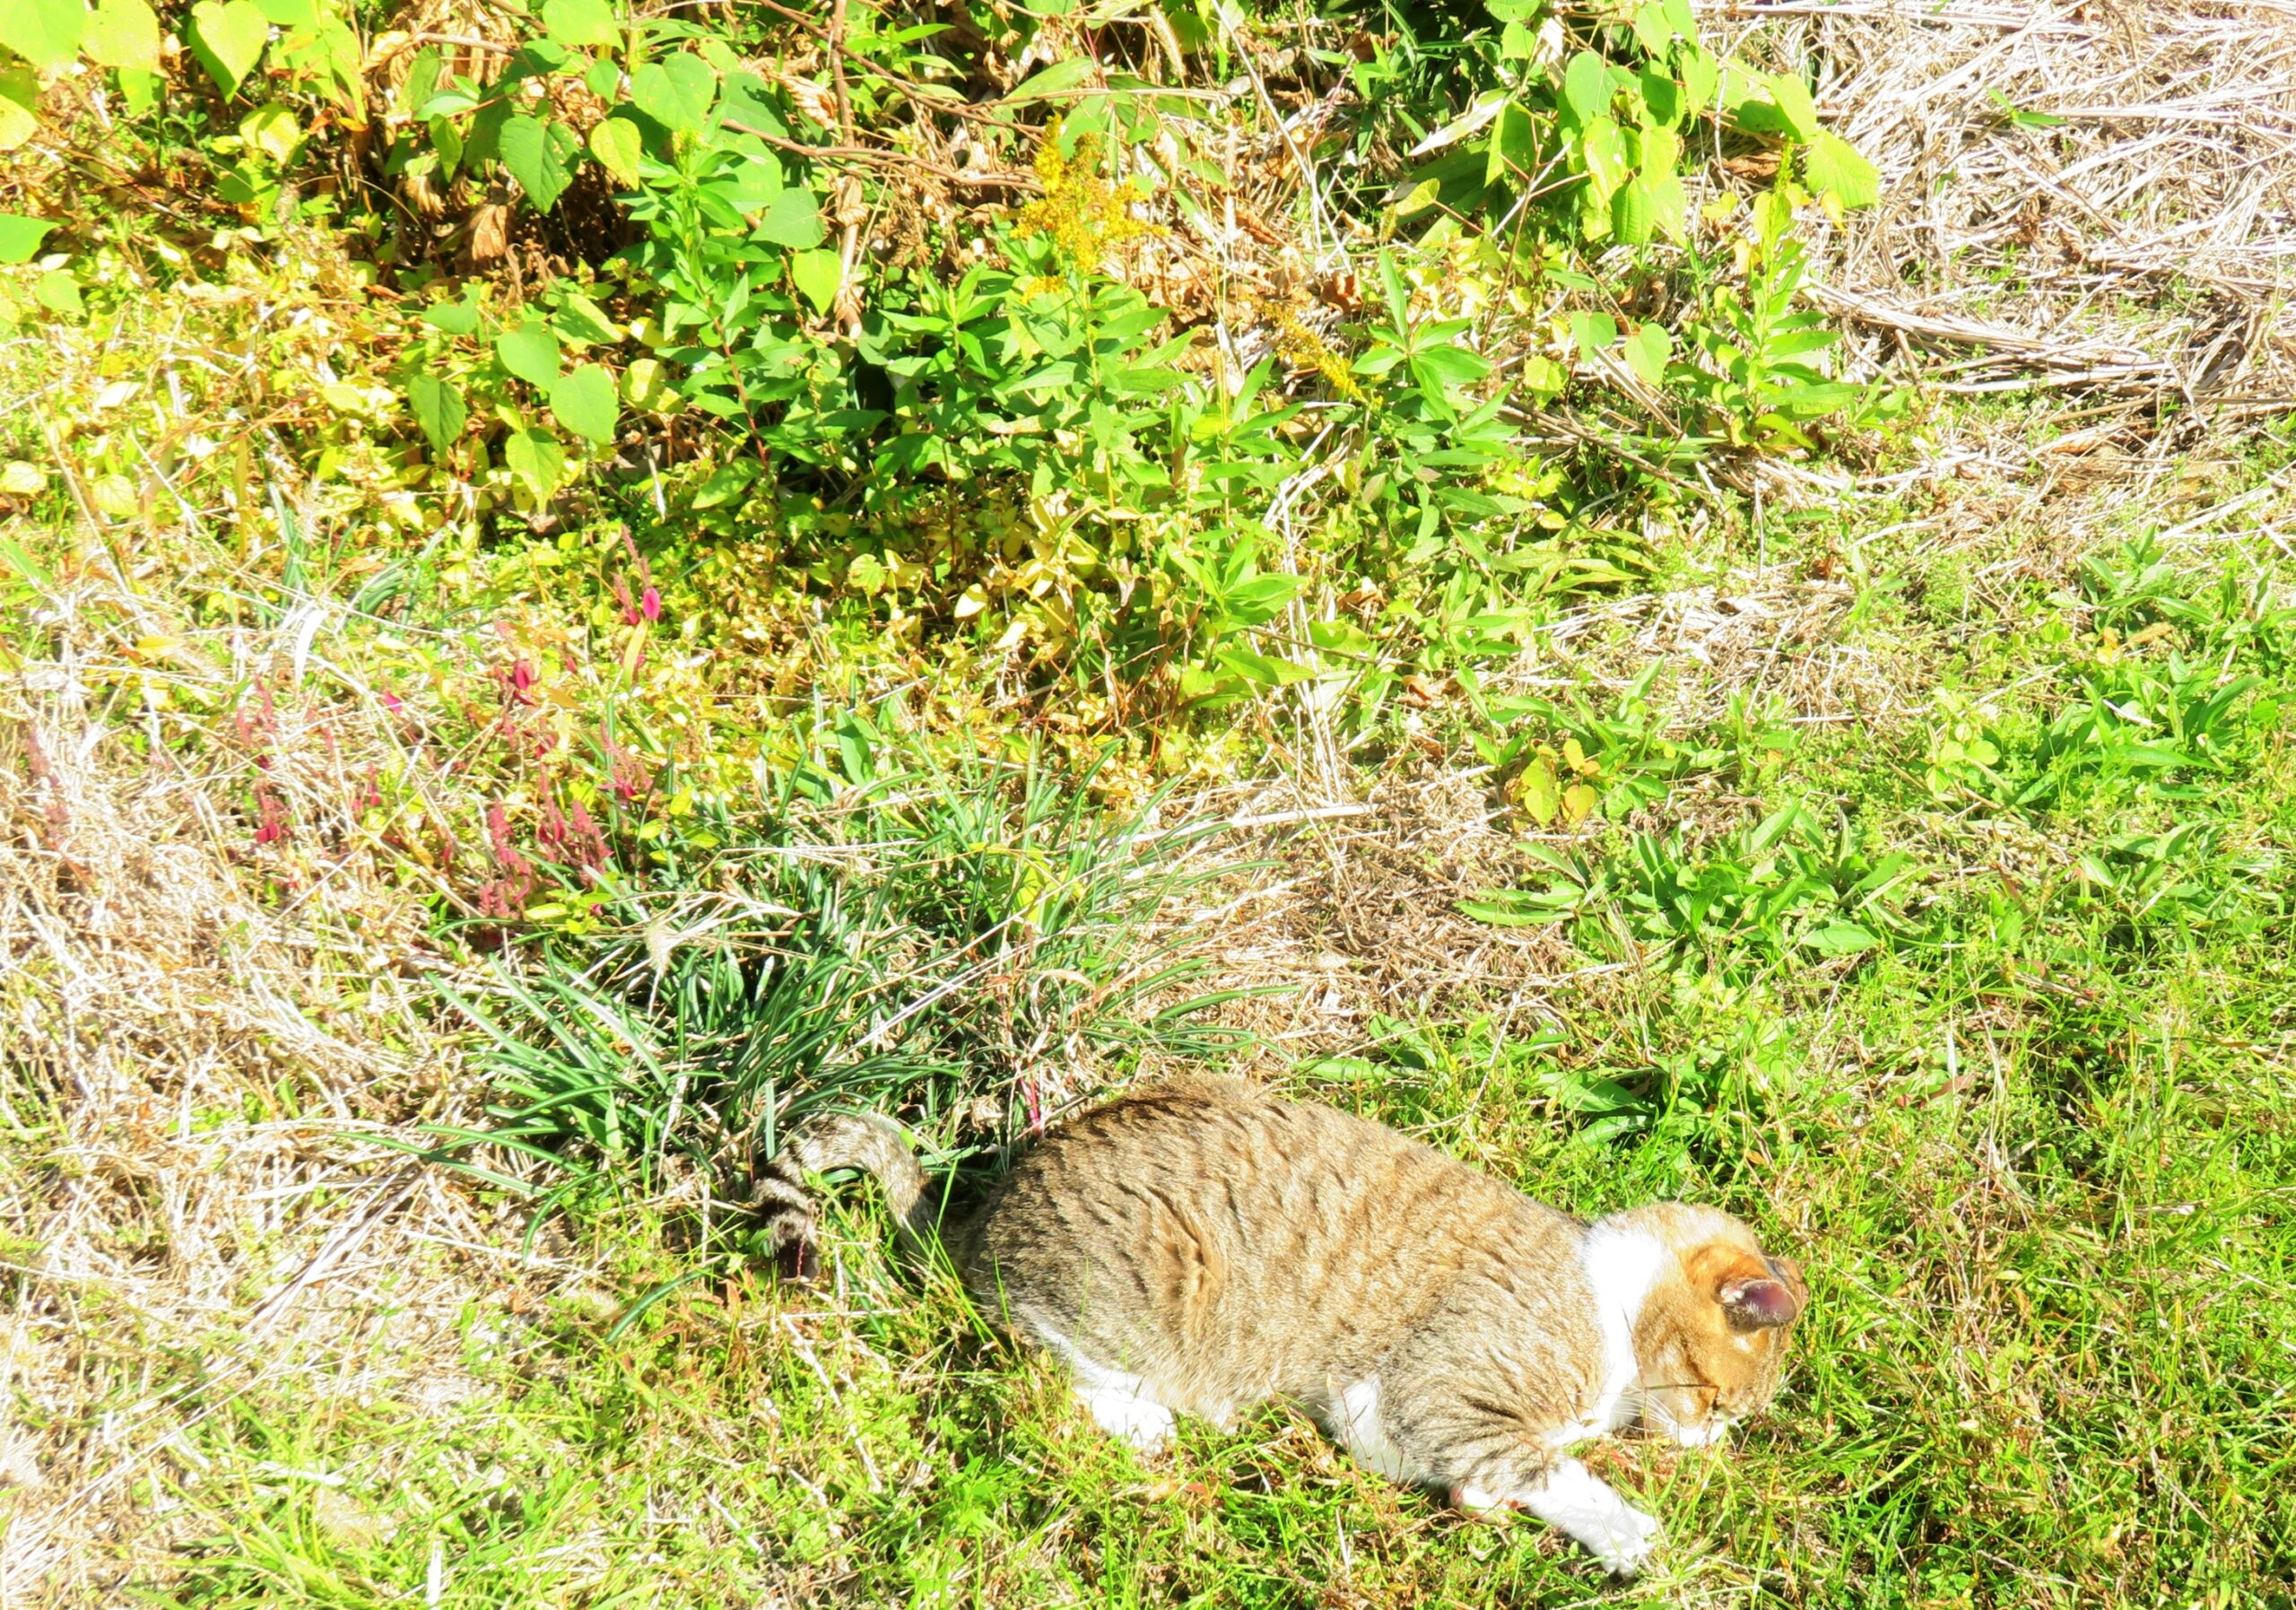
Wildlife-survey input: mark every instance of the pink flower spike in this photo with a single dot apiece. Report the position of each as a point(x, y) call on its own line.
point(393, 703)
point(651, 601)
point(522, 676)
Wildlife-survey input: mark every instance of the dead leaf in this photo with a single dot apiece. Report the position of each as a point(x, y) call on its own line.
point(490, 229)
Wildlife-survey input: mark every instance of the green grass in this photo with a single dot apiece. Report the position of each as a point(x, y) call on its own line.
point(2033, 1145)
point(2046, 1363)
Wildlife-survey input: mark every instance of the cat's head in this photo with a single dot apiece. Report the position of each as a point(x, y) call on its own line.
point(1714, 1329)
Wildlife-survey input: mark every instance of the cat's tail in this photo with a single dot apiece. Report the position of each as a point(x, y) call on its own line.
point(876, 1146)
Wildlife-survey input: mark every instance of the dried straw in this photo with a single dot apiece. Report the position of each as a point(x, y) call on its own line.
point(2085, 195)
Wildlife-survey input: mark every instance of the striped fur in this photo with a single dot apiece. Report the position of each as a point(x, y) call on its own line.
point(1198, 1248)
point(876, 1146)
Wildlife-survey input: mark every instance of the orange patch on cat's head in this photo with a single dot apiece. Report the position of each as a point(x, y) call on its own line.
point(1714, 1329)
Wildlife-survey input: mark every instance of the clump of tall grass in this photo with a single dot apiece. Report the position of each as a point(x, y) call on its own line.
point(967, 946)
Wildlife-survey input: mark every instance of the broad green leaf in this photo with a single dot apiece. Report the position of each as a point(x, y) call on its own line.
point(726, 484)
point(272, 130)
point(1842, 939)
point(1669, 203)
point(1652, 29)
point(616, 143)
point(1265, 670)
point(676, 91)
point(329, 56)
point(743, 97)
point(228, 37)
point(751, 185)
point(1587, 86)
point(455, 319)
point(58, 292)
point(583, 400)
point(646, 386)
point(1633, 218)
point(1058, 79)
point(1662, 99)
point(1592, 332)
point(1578, 803)
point(792, 219)
point(1647, 352)
point(289, 14)
point(1514, 144)
point(604, 78)
point(20, 237)
point(530, 351)
point(438, 410)
point(446, 140)
point(1454, 365)
point(1603, 147)
point(583, 321)
point(537, 460)
point(123, 34)
point(1423, 195)
point(1540, 793)
point(1834, 167)
point(818, 275)
point(1792, 97)
point(19, 98)
point(577, 24)
point(1700, 78)
point(422, 82)
point(866, 573)
point(44, 33)
point(540, 156)
point(1662, 152)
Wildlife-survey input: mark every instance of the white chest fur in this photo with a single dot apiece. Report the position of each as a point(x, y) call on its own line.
point(1620, 1267)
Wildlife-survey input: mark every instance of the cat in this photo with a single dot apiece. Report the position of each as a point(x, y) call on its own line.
point(1198, 1246)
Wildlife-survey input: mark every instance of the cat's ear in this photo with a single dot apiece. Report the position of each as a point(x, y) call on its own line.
point(1759, 1300)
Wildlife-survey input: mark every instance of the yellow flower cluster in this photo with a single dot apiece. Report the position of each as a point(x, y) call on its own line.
point(1302, 348)
point(1080, 208)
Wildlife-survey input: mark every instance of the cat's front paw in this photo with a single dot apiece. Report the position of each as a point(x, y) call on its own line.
point(1626, 1542)
point(1705, 1434)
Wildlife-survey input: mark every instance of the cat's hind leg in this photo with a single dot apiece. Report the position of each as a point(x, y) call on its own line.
point(1118, 1402)
point(1121, 1406)
point(1355, 1422)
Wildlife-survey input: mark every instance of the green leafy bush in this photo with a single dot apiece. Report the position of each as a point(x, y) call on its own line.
point(638, 260)
point(1784, 889)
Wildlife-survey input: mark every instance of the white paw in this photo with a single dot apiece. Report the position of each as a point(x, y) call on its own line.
point(1706, 1433)
point(1147, 1426)
point(1627, 1542)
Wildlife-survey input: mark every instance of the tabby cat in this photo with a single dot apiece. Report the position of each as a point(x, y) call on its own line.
point(1198, 1248)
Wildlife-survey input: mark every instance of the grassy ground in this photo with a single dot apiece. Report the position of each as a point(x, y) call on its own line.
point(1886, 834)
point(2031, 1139)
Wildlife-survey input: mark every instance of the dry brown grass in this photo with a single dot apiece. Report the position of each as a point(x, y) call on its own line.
point(2144, 245)
point(206, 1039)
